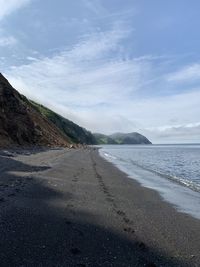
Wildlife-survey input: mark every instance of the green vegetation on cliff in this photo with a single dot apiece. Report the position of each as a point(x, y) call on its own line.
point(121, 139)
point(104, 139)
point(76, 133)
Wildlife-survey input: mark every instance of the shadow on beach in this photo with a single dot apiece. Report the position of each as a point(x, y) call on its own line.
point(38, 228)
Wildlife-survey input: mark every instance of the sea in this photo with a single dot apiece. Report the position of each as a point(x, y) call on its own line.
point(172, 170)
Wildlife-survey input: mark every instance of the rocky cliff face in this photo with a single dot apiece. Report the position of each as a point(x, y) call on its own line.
point(21, 124)
point(76, 133)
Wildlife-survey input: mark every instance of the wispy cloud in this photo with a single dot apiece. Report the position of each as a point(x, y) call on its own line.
point(7, 41)
point(95, 6)
point(103, 87)
point(93, 85)
point(90, 75)
point(96, 45)
point(86, 75)
point(189, 73)
point(175, 134)
point(9, 6)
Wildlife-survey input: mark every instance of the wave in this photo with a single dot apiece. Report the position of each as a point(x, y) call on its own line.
point(181, 181)
point(109, 156)
point(154, 170)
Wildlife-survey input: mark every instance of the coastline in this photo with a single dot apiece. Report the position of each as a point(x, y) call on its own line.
point(74, 208)
point(185, 198)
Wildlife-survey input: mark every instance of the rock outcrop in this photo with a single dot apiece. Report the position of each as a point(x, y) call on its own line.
point(21, 124)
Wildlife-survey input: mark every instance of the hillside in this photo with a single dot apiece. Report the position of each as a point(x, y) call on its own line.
point(76, 133)
point(121, 138)
point(104, 139)
point(23, 122)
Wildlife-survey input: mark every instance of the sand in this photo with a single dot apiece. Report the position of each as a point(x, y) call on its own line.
point(64, 207)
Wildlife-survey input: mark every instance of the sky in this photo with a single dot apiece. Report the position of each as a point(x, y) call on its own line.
point(110, 66)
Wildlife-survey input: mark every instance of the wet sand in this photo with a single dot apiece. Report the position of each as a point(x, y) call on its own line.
point(72, 208)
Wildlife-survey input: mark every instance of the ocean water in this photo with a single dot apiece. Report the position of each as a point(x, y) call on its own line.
point(172, 170)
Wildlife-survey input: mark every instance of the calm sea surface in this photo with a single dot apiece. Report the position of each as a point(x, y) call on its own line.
point(172, 170)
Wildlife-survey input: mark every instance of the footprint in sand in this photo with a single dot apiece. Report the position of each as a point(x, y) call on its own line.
point(129, 230)
point(70, 206)
point(75, 251)
point(151, 264)
point(142, 246)
point(126, 220)
point(120, 213)
point(109, 199)
point(79, 232)
point(11, 195)
point(68, 222)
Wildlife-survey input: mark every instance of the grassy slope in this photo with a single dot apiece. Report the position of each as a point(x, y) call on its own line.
point(76, 133)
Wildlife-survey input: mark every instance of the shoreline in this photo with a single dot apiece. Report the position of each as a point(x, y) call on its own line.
point(74, 208)
point(182, 197)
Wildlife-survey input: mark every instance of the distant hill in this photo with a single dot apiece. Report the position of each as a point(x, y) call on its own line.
point(24, 122)
point(104, 139)
point(121, 138)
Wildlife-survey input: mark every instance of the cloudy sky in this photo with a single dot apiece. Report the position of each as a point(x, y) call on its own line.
point(117, 65)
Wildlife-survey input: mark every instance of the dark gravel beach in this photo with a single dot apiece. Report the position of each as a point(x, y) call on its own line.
point(61, 207)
